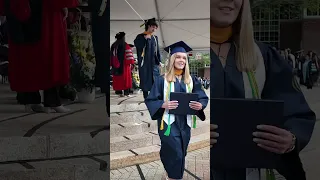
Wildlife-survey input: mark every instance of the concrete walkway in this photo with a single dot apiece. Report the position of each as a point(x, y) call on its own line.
point(197, 167)
point(53, 146)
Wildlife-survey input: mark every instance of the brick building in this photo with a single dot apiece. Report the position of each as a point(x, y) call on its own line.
point(288, 26)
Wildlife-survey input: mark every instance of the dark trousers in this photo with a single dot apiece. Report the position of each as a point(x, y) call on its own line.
point(50, 98)
point(101, 40)
point(124, 92)
point(145, 94)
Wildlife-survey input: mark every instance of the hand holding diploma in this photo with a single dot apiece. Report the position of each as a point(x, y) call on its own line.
point(213, 135)
point(195, 105)
point(170, 105)
point(274, 139)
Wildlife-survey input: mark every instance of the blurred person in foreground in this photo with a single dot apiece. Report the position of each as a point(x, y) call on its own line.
point(38, 51)
point(243, 68)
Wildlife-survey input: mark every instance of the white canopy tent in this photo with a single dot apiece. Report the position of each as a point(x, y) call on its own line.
point(186, 20)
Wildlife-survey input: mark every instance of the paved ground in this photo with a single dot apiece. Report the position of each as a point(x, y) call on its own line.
point(78, 140)
point(197, 167)
point(197, 163)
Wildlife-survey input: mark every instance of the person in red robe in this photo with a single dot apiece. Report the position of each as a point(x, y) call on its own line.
point(121, 79)
point(38, 50)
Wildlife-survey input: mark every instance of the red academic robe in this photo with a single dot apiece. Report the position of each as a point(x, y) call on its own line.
point(124, 81)
point(44, 64)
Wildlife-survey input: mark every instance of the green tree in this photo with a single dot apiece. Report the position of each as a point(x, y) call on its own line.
point(312, 5)
point(200, 63)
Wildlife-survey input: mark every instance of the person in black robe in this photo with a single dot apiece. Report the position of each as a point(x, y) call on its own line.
point(100, 23)
point(149, 58)
point(235, 59)
point(306, 77)
point(175, 130)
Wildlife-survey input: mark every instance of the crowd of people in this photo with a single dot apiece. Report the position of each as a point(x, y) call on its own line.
point(305, 65)
point(205, 82)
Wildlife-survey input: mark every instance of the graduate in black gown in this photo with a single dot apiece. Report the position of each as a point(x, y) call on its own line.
point(148, 53)
point(243, 68)
point(175, 130)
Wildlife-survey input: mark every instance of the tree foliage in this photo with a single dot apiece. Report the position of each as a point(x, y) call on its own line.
point(312, 5)
point(204, 61)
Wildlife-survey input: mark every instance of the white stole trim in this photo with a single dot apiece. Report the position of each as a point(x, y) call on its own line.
point(260, 76)
point(166, 112)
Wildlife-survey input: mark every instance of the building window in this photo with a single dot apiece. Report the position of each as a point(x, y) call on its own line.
point(266, 24)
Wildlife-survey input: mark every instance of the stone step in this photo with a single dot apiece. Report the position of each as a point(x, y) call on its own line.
point(83, 131)
point(124, 129)
point(135, 127)
point(81, 168)
point(151, 153)
point(128, 142)
point(130, 106)
point(136, 105)
point(135, 116)
point(53, 146)
point(126, 117)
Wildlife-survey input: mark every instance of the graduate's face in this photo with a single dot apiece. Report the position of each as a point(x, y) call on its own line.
point(180, 61)
point(223, 13)
point(152, 28)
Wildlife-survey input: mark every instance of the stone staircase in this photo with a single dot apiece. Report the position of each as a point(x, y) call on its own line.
point(69, 146)
point(134, 136)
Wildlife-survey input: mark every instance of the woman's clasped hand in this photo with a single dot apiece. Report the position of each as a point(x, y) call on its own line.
point(270, 138)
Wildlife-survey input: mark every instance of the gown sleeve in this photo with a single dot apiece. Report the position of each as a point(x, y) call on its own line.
point(155, 99)
point(203, 98)
point(158, 50)
point(129, 59)
point(140, 42)
point(282, 85)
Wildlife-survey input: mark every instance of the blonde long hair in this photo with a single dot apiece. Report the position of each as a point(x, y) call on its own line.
point(170, 74)
point(247, 49)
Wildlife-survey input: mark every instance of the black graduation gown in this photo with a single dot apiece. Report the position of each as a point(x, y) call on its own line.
point(100, 41)
point(173, 147)
point(307, 77)
point(151, 58)
point(227, 82)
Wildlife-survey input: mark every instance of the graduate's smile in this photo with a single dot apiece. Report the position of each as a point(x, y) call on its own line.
point(224, 13)
point(180, 61)
point(226, 9)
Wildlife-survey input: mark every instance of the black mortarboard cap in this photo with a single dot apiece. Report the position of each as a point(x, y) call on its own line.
point(120, 35)
point(178, 47)
point(150, 22)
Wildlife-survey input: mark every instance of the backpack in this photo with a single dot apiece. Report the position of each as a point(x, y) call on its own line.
point(28, 30)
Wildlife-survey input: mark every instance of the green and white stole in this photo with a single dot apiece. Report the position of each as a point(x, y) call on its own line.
point(253, 85)
point(170, 118)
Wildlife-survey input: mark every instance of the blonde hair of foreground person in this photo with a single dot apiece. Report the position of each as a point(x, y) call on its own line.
point(246, 48)
point(170, 74)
